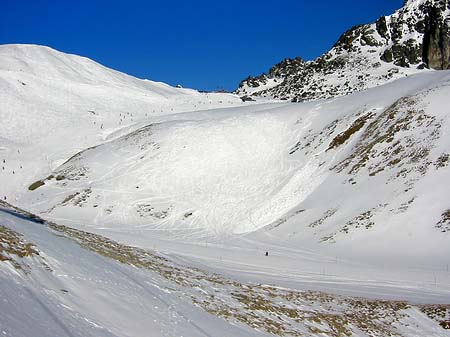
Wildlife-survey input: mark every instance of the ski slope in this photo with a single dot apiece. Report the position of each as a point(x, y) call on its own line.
point(271, 167)
point(67, 290)
point(78, 284)
point(349, 196)
point(57, 104)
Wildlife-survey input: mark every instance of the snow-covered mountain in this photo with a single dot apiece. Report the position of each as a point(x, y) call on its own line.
point(414, 39)
point(287, 169)
point(56, 104)
point(155, 207)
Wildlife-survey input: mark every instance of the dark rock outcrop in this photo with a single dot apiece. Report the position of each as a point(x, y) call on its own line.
point(436, 40)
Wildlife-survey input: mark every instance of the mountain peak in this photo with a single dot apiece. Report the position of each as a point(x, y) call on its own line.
point(46, 63)
point(413, 39)
point(417, 3)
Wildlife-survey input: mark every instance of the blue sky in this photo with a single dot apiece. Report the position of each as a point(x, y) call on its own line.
point(200, 44)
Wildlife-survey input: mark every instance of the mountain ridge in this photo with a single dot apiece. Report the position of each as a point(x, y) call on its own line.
point(414, 38)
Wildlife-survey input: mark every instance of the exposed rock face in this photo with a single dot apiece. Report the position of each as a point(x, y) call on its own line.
point(436, 40)
point(413, 39)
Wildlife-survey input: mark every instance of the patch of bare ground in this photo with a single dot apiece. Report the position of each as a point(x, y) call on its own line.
point(344, 136)
point(444, 223)
point(399, 140)
point(439, 313)
point(13, 248)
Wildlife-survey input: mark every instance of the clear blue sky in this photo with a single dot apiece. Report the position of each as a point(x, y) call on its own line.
point(199, 44)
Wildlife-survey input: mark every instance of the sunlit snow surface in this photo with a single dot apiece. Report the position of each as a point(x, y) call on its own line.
point(214, 183)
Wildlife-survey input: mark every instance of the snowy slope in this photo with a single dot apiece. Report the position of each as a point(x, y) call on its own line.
point(57, 281)
point(278, 167)
point(56, 104)
point(349, 196)
point(227, 173)
point(66, 289)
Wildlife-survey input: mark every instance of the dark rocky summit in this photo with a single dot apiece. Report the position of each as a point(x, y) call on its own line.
point(415, 38)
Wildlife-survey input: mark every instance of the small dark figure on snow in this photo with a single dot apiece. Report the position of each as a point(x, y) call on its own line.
point(267, 253)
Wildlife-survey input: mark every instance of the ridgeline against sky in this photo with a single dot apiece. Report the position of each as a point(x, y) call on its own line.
point(200, 44)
